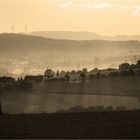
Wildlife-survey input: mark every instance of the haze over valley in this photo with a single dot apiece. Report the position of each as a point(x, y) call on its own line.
point(26, 54)
point(83, 35)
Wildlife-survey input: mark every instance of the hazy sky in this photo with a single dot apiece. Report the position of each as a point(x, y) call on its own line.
point(107, 17)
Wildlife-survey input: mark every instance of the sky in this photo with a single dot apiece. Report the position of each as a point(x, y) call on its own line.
point(106, 17)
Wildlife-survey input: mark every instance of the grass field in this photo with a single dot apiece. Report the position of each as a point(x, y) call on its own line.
point(121, 124)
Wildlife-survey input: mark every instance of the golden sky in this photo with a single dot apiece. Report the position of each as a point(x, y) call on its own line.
point(106, 17)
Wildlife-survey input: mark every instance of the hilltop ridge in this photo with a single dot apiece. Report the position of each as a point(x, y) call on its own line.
point(83, 35)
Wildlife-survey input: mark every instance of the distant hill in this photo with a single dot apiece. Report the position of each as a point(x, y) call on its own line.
point(29, 44)
point(33, 54)
point(83, 36)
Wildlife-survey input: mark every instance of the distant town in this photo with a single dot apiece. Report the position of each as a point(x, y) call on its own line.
point(26, 83)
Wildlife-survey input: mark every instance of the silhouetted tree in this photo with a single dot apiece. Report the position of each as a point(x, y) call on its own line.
point(124, 67)
point(91, 76)
point(128, 72)
point(79, 72)
point(57, 73)
point(85, 70)
point(113, 74)
point(138, 64)
point(131, 71)
point(5, 79)
point(73, 72)
point(67, 77)
point(98, 74)
point(32, 78)
point(83, 76)
point(49, 74)
point(133, 66)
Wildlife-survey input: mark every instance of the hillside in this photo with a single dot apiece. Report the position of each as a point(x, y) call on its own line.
point(83, 35)
point(113, 125)
point(27, 43)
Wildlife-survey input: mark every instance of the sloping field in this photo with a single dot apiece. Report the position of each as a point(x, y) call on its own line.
point(125, 124)
point(116, 86)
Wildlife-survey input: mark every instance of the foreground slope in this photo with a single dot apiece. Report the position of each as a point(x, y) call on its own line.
point(121, 124)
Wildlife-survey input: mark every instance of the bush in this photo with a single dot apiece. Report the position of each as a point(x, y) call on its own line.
point(127, 73)
point(113, 74)
point(92, 76)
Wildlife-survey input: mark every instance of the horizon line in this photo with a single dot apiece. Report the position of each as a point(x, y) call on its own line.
point(112, 35)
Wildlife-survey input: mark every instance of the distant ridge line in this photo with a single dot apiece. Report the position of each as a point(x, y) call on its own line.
point(83, 35)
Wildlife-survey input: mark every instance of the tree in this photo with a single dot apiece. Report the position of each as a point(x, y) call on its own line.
point(85, 70)
point(49, 74)
point(73, 72)
point(113, 74)
point(67, 77)
point(83, 76)
point(57, 73)
point(138, 64)
point(98, 74)
point(124, 67)
point(133, 66)
point(91, 76)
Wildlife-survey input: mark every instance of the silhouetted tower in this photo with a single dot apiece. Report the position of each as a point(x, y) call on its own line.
point(13, 28)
